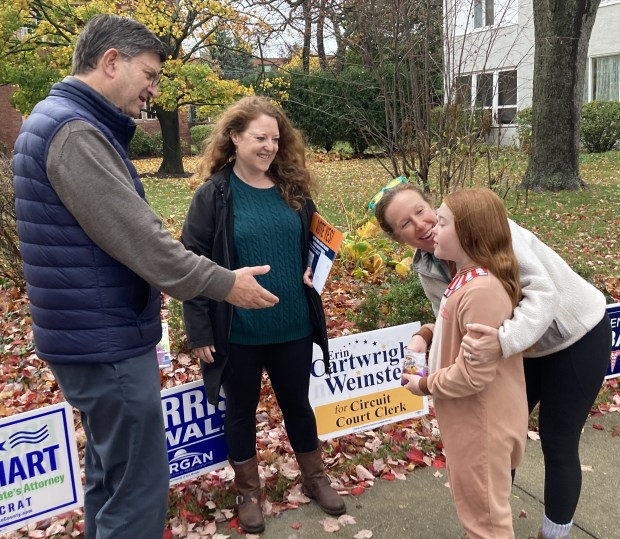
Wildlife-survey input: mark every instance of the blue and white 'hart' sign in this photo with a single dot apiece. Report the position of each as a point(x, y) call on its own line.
point(39, 466)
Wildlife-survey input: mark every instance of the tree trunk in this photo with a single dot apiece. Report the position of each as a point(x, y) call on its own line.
point(173, 154)
point(305, 53)
point(562, 31)
point(320, 36)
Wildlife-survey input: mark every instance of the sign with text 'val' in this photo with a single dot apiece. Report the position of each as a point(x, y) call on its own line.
point(613, 311)
point(194, 431)
point(363, 390)
point(39, 467)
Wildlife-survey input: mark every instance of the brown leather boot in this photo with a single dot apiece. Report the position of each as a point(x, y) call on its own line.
point(316, 484)
point(248, 501)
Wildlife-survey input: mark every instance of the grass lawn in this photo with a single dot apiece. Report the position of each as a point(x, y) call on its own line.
point(582, 226)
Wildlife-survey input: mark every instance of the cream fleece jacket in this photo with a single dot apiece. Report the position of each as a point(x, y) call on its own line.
point(558, 306)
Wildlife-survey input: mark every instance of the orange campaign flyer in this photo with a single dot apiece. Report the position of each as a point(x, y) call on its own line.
point(324, 244)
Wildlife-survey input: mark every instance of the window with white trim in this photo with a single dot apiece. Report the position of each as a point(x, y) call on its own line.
point(484, 90)
point(147, 113)
point(493, 90)
point(484, 13)
point(506, 97)
point(469, 15)
point(462, 90)
point(604, 78)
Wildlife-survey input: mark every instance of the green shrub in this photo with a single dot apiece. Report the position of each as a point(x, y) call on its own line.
point(396, 301)
point(330, 108)
point(600, 125)
point(362, 111)
point(10, 258)
point(199, 133)
point(144, 144)
point(523, 120)
point(343, 149)
point(311, 106)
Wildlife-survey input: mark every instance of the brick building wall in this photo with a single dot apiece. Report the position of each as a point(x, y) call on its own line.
point(11, 119)
point(12, 122)
point(152, 127)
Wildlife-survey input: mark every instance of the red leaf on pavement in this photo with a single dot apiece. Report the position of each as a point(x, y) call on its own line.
point(598, 426)
point(357, 491)
point(296, 525)
point(167, 534)
point(389, 476)
point(439, 462)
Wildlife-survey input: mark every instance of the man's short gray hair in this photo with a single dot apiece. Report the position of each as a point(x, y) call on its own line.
point(104, 32)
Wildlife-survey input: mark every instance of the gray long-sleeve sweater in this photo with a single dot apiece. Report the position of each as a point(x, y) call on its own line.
point(103, 200)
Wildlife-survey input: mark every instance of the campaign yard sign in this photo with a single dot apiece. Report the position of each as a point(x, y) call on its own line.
point(363, 391)
point(613, 311)
point(194, 431)
point(39, 466)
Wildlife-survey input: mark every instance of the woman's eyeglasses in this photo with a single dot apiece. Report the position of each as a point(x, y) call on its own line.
point(389, 185)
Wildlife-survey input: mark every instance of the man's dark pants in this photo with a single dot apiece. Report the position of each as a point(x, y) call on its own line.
point(126, 461)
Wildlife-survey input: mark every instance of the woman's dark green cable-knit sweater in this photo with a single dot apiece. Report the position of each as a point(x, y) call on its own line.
point(268, 231)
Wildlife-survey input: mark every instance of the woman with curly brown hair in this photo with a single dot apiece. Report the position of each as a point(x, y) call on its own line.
point(256, 205)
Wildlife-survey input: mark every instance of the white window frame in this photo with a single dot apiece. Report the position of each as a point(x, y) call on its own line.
point(495, 106)
point(482, 12)
point(589, 77)
point(22, 33)
point(146, 113)
point(460, 15)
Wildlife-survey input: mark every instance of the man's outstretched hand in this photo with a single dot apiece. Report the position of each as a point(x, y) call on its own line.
point(247, 293)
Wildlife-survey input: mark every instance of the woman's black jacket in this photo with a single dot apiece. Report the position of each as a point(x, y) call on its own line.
point(208, 231)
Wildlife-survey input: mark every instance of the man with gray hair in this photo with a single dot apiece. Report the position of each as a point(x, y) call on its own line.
point(95, 259)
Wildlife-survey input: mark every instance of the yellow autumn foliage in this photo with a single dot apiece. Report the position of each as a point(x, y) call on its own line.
point(375, 263)
point(370, 229)
point(355, 249)
point(403, 266)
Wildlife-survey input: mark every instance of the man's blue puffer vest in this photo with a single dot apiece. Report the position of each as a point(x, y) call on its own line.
point(86, 307)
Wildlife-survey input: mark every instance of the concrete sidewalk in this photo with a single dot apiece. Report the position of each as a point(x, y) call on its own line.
point(421, 508)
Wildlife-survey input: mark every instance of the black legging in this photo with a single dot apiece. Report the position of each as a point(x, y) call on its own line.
point(566, 384)
point(288, 366)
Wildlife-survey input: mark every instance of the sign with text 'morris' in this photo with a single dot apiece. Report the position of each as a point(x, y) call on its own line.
point(39, 466)
point(363, 390)
point(194, 431)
